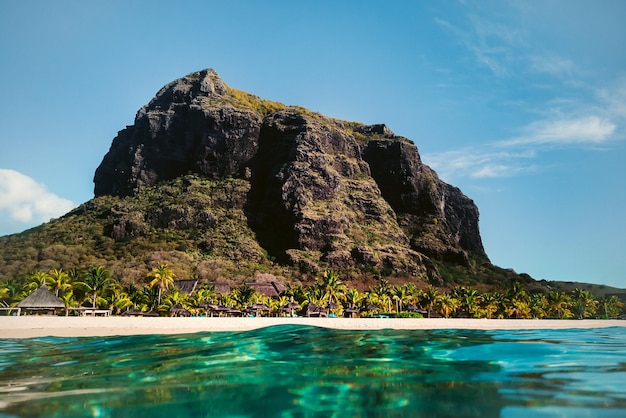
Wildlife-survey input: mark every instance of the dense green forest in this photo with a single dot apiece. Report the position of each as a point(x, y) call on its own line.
point(97, 288)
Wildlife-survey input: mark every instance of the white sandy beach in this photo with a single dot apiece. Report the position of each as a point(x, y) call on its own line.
point(40, 326)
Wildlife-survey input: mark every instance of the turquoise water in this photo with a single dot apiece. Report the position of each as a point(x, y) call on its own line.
point(297, 371)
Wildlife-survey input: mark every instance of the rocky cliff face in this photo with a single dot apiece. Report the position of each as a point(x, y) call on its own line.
point(321, 191)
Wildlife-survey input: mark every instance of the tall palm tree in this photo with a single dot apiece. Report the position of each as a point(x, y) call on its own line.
point(585, 303)
point(428, 299)
point(60, 281)
point(9, 289)
point(97, 282)
point(119, 300)
point(489, 305)
point(296, 292)
point(469, 299)
point(538, 305)
point(517, 292)
point(203, 294)
point(332, 286)
point(612, 307)
point(135, 295)
point(353, 298)
point(445, 305)
point(37, 279)
point(382, 290)
point(242, 295)
point(559, 304)
point(400, 296)
point(162, 277)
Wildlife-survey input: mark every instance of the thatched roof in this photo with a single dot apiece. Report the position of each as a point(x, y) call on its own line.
point(266, 289)
point(186, 286)
point(41, 298)
point(220, 287)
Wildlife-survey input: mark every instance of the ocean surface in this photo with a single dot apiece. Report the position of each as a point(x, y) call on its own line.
point(300, 371)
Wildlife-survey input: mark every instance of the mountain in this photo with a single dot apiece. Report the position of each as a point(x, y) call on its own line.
point(219, 182)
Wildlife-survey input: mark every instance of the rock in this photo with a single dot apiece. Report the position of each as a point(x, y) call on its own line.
point(191, 126)
point(322, 192)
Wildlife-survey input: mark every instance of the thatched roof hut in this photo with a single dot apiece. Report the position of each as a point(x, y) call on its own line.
point(178, 310)
point(220, 287)
point(186, 286)
point(265, 289)
point(41, 300)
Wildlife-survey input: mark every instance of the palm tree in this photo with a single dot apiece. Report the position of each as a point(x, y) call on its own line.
point(296, 292)
point(314, 294)
point(559, 304)
point(175, 297)
point(9, 289)
point(585, 304)
point(37, 279)
point(489, 305)
point(538, 305)
point(413, 294)
point(60, 281)
point(400, 295)
point(612, 307)
point(68, 301)
point(135, 295)
point(517, 302)
point(242, 295)
point(445, 305)
point(469, 299)
point(429, 297)
point(97, 282)
point(353, 298)
point(382, 290)
point(332, 286)
point(162, 277)
point(205, 293)
point(517, 292)
point(518, 308)
point(120, 300)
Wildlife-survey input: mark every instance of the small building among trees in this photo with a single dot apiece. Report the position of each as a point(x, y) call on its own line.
point(41, 302)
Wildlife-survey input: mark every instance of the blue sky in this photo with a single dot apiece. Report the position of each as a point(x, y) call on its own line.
point(522, 105)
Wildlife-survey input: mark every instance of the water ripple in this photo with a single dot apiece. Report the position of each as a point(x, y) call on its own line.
point(301, 371)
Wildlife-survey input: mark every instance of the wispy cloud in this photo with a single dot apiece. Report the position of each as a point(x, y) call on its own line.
point(493, 45)
point(551, 64)
point(582, 130)
point(480, 162)
point(24, 202)
point(506, 50)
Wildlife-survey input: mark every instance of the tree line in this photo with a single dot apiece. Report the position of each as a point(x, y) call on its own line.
point(97, 288)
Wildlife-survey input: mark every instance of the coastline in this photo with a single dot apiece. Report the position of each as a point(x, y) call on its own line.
point(53, 326)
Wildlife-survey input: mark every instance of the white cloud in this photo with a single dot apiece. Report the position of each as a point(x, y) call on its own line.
point(552, 64)
point(490, 43)
point(480, 163)
point(24, 202)
point(583, 130)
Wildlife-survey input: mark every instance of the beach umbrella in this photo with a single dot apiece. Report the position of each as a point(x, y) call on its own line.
point(290, 307)
point(351, 311)
point(233, 312)
point(178, 310)
point(133, 312)
point(259, 307)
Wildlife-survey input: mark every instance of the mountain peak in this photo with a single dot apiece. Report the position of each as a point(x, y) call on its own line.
point(320, 190)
